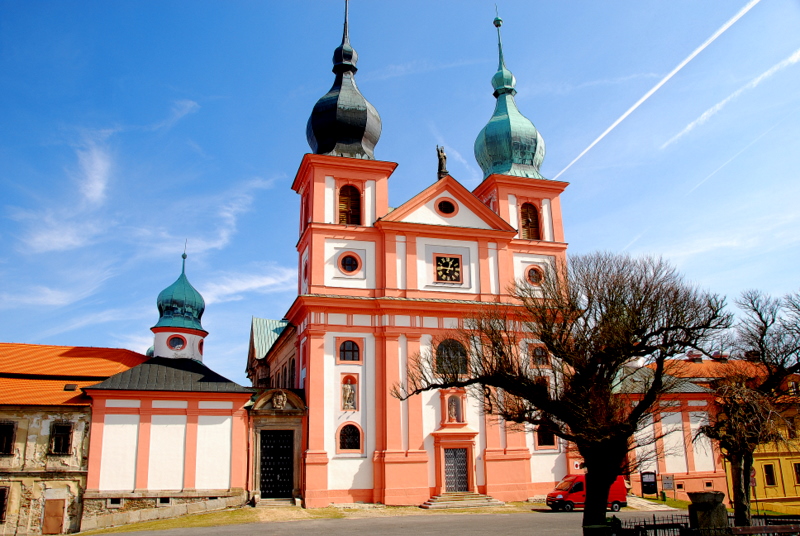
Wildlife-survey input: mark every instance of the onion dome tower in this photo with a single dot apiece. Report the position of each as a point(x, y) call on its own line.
point(509, 144)
point(343, 122)
point(178, 332)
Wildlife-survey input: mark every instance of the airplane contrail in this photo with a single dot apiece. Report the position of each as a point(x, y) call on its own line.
point(791, 60)
point(664, 80)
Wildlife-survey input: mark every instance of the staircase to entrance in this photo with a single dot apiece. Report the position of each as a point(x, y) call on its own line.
point(461, 499)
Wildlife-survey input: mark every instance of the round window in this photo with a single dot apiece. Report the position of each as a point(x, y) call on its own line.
point(534, 276)
point(200, 347)
point(176, 343)
point(446, 207)
point(349, 263)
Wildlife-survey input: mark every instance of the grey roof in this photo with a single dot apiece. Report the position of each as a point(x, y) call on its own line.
point(265, 333)
point(635, 381)
point(168, 374)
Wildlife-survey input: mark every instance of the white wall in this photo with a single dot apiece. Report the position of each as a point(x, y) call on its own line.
point(334, 277)
point(213, 452)
point(167, 451)
point(703, 453)
point(349, 470)
point(118, 454)
point(646, 449)
point(190, 351)
point(463, 218)
point(428, 247)
point(674, 450)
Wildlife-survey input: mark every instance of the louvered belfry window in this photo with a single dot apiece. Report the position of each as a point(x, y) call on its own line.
point(349, 205)
point(530, 223)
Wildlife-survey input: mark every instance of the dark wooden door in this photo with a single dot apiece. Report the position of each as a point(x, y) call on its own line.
point(455, 470)
point(277, 463)
point(53, 516)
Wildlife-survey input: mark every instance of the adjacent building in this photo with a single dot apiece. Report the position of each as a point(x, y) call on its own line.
point(44, 432)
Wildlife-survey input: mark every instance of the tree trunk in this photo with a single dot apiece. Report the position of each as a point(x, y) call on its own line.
point(601, 472)
point(740, 484)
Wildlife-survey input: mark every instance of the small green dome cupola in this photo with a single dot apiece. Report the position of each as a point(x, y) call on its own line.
point(180, 305)
point(509, 144)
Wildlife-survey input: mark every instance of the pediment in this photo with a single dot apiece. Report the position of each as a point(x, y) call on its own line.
point(279, 401)
point(448, 203)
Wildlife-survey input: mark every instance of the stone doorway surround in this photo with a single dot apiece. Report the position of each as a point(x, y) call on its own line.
point(276, 409)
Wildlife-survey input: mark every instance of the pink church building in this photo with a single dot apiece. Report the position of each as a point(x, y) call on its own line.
point(378, 286)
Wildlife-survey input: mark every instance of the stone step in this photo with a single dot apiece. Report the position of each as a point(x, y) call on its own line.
point(460, 500)
point(276, 503)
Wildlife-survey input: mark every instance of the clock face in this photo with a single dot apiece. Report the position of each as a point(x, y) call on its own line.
point(448, 269)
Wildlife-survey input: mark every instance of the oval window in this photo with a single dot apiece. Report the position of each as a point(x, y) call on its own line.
point(446, 207)
point(534, 276)
point(349, 263)
point(176, 343)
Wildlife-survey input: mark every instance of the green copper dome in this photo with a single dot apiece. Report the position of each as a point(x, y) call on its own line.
point(509, 144)
point(180, 305)
point(343, 122)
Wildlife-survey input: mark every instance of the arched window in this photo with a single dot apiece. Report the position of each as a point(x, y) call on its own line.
point(348, 351)
point(529, 229)
point(278, 381)
point(451, 357)
point(349, 438)
point(285, 377)
point(292, 373)
point(349, 205)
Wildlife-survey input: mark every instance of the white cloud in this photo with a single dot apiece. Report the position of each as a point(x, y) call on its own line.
point(38, 296)
point(529, 89)
point(705, 116)
point(95, 165)
point(180, 109)
point(413, 67)
point(135, 342)
point(231, 287)
point(56, 232)
point(100, 317)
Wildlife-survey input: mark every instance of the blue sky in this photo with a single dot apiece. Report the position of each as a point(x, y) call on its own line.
point(127, 128)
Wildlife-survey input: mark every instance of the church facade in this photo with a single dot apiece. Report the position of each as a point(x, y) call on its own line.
point(379, 286)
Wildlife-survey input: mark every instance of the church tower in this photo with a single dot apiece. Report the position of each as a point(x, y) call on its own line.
point(178, 332)
point(510, 151)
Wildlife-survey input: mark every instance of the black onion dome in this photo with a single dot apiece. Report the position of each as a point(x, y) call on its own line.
point(343, 122)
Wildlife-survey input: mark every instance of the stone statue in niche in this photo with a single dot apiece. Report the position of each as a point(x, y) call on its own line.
point(279, 400)
point(452, 409)
point(348, 395)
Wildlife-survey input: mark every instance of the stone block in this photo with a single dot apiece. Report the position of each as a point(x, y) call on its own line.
point(194, 508)
point(148, 515)
point(88, 523)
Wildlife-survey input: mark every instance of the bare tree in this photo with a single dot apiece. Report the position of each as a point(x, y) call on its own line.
point(752, 394)
point(594, 317)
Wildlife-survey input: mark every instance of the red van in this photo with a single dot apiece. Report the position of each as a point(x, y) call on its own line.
point(570, 493)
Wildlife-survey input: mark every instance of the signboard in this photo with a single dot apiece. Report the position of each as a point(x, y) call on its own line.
point(752, 477)
point(649, 484)
point(667, 482)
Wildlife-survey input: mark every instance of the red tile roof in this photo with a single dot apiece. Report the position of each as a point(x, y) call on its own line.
point(32, 374)
point(709, 368)
point(66, 360)
point(42, 392)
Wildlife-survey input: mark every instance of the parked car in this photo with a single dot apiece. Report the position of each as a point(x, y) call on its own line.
point(570, 493)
